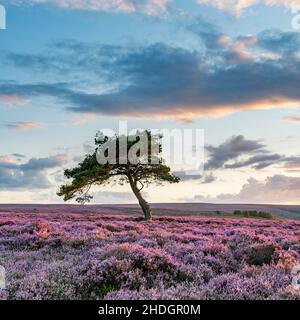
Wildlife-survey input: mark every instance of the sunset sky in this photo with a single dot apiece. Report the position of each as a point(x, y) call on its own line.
point(231, 67)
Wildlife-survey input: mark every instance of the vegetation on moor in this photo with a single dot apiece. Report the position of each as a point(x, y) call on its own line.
point(105, 256)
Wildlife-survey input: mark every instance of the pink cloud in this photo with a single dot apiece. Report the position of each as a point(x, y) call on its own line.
point(237, 7)
point(12, 100)
point(150, 7)
point(25, 126)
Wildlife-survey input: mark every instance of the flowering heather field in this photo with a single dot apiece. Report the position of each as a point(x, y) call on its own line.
point(94, 256)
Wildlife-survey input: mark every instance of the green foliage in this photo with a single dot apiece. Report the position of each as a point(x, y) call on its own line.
point(237, 212)
point(149, 169)
point(261, 254)
point(265, 215)
point(253, 214)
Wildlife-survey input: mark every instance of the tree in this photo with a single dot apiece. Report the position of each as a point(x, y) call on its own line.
point(139, 163)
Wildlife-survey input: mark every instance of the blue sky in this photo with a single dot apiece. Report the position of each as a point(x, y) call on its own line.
point(70, 68)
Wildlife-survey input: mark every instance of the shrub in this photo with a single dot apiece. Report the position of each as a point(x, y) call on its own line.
point(260, 254)
point(253, 214)
point(75, 256)
point(237, 212)
point(265, 215)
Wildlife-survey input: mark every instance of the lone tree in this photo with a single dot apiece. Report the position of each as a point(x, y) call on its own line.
point(134, 159)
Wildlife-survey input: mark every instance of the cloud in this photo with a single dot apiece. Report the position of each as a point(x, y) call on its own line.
point(238, 152)
point(230, 150)
point(44, 163)
point(292, 163)
point(185, 176)
point(29, 175)
point(274, 189)
point(108, 197)
point(19, 155)
point(237, 7)
point(81, 119)
point(209, 178)
point(221, 48)
point(12, 101)
point(260, 161)
point(295, 119)
point(7, 160)
point(155, 7)
point(150, 7)
point(229, 75)
point(88, 148)
point(24, 126)
point(276, 41)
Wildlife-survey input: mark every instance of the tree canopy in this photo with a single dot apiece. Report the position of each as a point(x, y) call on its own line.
point(134, 159)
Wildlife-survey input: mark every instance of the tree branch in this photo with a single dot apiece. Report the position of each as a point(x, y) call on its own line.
point(142, 185)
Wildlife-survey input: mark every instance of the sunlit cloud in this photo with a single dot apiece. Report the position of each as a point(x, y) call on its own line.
point(7, 160)
point(295, 119)
point(150, 7)
point(237, 7)
point(274, 189)
point(81, 119)
point(11, 101)
point(25, 126)
point(250, 72)
point(155, 7)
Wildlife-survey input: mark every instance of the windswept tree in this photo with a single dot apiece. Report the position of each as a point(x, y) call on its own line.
point(134, 159)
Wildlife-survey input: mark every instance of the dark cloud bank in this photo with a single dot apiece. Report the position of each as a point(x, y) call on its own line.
point(227, 75)
point(29, 175)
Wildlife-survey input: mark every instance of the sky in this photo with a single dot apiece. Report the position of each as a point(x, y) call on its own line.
point(231, 67)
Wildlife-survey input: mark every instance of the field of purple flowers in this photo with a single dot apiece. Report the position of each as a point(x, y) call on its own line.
point(92, 256)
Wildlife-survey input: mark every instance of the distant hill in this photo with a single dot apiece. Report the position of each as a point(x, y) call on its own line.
point(278, 211)
point(175, 209)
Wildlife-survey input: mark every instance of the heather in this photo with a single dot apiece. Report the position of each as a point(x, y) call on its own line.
point(98, 256)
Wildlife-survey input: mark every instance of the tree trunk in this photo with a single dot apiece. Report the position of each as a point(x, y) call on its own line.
point(143, 203)
point(145, 207)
